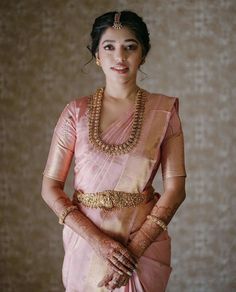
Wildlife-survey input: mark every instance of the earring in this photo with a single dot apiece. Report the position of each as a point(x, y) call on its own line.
point(98, 61)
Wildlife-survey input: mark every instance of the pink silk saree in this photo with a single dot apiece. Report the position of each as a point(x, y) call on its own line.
point(161, 142)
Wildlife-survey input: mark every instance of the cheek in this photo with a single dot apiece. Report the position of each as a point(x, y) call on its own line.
point(137, 61)
point(105, 57)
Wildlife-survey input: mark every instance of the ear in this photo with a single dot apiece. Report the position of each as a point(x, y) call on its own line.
point(96, 55)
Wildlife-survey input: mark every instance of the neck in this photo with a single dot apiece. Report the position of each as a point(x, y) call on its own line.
point(121, 91)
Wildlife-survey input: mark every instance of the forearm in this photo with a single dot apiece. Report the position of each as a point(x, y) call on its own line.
point(114, 253)
point(58, 201)
point(163, 211)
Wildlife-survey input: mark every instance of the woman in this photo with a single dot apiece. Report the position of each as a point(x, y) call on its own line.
point(115, 228)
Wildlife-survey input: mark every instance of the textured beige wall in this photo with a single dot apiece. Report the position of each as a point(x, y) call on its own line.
point(43, 49)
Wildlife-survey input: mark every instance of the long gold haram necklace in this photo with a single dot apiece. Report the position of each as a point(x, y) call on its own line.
point(95, 108)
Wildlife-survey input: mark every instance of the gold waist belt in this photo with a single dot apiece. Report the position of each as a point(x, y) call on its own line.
point(111, 199)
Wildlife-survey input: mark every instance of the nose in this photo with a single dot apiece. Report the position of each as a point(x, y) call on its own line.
point(120, 55)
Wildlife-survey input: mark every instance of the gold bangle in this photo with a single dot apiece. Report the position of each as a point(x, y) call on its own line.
point(63, 215)
point(157, 221)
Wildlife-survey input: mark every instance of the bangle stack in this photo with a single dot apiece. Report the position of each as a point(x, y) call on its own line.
point(63, 215)
point(157, 221)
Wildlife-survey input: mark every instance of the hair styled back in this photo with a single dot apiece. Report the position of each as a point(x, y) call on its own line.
point(128, 19)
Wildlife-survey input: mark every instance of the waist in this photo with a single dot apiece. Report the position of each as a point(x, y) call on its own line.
point(112, 199)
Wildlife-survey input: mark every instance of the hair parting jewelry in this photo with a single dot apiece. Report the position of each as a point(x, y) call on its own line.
point(66, 212)
point(95, 107)
point(157, 221)
point(117, 24)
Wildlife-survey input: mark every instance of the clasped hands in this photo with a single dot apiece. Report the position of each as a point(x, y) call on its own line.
point(121, 263)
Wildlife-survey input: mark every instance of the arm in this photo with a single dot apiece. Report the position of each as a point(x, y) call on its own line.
point(174, 195)
point(173, 172)
point(106, 247)
point(58, 201)
point(55, 174)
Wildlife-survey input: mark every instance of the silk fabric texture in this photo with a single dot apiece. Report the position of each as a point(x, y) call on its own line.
point(161, 143)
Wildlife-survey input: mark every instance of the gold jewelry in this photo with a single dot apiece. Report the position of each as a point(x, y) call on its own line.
point(110, 199)
point(117, 24)
point(98, 61)
point(63, 215)
point(95, 108)
point(157, 221)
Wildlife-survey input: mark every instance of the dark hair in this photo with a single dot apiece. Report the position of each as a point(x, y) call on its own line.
point(128, 19)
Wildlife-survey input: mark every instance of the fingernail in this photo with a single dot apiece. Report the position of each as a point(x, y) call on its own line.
point(120, 273)
point(128, 273)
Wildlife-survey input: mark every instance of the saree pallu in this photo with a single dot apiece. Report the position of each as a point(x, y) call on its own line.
point(161, 142)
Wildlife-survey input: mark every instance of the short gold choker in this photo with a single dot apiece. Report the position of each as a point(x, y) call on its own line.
point(95, 107)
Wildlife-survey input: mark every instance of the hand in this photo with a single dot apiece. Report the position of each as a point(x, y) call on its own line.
point(137, 247)
point(113, 280)
point(116, 255)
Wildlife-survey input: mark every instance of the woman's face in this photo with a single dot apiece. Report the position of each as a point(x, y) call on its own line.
point(120, 55)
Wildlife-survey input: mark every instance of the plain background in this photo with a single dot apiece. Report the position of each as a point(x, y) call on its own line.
point(42, 57)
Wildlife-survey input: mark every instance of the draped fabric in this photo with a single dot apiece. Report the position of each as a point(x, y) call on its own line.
point(161, 142)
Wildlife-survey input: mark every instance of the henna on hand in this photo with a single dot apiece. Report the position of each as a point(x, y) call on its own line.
point(149, 231)
point(113, 280)
point(114, 253)
point(117, 256)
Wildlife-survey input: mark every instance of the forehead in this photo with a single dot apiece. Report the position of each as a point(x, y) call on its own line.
point(118, 35)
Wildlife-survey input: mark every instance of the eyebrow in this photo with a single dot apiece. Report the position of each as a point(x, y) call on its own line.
point(113, 41)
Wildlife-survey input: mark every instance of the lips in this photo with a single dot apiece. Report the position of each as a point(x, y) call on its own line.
point(120, 68)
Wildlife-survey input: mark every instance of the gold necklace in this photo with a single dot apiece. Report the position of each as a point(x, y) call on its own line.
point(95, 107)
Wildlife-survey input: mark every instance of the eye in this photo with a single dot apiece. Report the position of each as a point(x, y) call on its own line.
point(108, 47)
point(131, 47)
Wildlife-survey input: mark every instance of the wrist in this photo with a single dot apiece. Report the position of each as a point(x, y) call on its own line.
point(138, 247)
point(98, 239)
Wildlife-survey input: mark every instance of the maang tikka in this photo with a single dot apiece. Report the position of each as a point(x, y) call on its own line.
point(117, 24)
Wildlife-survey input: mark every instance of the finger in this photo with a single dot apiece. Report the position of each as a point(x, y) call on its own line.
point(122, 282)
point(113, 284)
point(105, 280)
point(116, 265)
point(131, 257)
point(125, 253)
point(125, 262)
point(114, 268)
point(126, 281)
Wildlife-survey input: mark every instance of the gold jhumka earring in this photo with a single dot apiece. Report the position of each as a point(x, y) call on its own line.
point(98, 61)
point(117, 24)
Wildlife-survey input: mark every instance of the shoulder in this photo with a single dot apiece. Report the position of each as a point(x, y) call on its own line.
point(78, 105)
point(79, 102)
point(75, 108)
point(162, 102)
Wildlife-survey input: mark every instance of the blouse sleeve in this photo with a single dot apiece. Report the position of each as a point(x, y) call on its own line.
point(172, 148)
point(62, 145)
